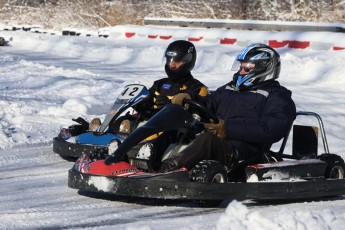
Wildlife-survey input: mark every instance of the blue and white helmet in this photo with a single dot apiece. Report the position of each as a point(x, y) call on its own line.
point(267, 66)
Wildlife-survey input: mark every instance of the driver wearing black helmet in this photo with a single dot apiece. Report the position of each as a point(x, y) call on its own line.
point(180, 58)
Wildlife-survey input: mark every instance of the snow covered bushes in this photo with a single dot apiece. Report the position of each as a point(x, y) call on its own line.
point(100, 13)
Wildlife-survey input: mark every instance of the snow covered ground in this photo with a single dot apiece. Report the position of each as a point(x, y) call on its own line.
point(47, 80)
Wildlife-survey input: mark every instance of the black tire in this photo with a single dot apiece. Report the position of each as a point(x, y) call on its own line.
point(209, 171)
point(335, 166)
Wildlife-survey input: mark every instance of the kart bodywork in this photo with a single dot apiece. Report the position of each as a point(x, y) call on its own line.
point(85, 142)
point(278, 175)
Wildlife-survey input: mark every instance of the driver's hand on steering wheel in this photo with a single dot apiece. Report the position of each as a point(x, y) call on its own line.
point(178, 99)
point(217, 129)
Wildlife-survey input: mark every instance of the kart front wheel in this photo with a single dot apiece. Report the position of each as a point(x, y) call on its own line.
point(335, 166)
point(209, 171)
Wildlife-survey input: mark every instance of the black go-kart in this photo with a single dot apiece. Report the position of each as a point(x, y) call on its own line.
point(128, 171)
point(4, 42)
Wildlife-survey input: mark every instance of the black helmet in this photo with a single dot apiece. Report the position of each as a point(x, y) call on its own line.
point(267, 66)
point(180, 51)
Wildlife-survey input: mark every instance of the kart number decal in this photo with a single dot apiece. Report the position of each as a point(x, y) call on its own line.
point(131, 91)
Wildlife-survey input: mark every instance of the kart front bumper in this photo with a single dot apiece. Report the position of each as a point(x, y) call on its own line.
point(68, 149)
point(178, 186)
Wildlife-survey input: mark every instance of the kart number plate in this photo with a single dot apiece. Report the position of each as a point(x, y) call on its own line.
point(130, 91)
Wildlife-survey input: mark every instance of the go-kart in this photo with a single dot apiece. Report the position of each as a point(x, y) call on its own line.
point(277, 175)
point(4, 42)
point(76, 140)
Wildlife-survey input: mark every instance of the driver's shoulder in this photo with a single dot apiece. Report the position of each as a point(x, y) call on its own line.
point(161, 81)
point(225, 88)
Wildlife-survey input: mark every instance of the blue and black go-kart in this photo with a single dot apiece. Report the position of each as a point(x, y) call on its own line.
point(76, 140)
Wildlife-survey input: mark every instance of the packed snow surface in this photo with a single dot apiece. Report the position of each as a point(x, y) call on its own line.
point(46, 80)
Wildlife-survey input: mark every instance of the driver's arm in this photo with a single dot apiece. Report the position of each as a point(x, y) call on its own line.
point(210, 101)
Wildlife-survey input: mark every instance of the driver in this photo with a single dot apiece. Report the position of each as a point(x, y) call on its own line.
point(254, 111)
point(180, 57)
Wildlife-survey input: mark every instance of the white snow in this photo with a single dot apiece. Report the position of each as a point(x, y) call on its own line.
point(144, 152)
point(46, 80)
point(101, 183)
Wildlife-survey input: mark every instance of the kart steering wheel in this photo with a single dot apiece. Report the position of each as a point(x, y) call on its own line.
point(210, 117)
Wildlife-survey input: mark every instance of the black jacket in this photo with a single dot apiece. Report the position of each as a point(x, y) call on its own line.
point(169, 88)
point(254, 119)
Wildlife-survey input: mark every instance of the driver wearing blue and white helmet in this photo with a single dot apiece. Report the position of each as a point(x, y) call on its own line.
point(255, 64)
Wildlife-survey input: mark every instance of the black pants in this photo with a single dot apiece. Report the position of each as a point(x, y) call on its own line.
point(206, 146)
point(160, 145)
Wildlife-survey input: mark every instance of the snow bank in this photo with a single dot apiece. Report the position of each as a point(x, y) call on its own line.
point(238, 217)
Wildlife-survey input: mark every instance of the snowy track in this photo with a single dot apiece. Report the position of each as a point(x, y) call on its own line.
point(45, 81)
point(34, 194)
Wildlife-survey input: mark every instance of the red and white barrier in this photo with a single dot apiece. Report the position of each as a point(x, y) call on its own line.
point(306, 40)
point(321, 41)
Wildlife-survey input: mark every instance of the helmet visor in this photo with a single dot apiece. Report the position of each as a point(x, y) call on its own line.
point(238, 66)
point(171, 55)
point(174, 61)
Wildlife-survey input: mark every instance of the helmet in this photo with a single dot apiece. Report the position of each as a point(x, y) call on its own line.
point(267, 66)
point(180, 51)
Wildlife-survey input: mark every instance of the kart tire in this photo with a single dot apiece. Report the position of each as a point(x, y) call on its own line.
point(335, 166)
point(209, 171)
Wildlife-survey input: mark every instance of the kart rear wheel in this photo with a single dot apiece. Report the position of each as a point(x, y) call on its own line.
point(335, 166)
point(209, 171)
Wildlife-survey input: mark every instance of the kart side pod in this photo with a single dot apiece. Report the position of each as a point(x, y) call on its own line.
point(304, 154)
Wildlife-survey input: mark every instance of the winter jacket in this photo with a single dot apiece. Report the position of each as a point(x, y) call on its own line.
point(169, 88)
point(254, 119)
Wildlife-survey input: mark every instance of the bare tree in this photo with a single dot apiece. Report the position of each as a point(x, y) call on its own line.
point(99, 13)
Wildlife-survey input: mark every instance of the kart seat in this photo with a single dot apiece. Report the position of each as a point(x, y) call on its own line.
point(304, 141)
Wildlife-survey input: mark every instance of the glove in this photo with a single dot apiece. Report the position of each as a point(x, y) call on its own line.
point(75, 130)
point(82, 121)
point(94, 124)
point(162, 100)
point(217, 129)
point(178, 99)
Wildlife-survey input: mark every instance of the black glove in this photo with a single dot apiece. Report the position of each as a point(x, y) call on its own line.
point(162, 100)
point(83, 122)
point(75, 130)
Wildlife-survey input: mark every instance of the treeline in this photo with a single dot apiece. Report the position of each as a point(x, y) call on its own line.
point(99, 13)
